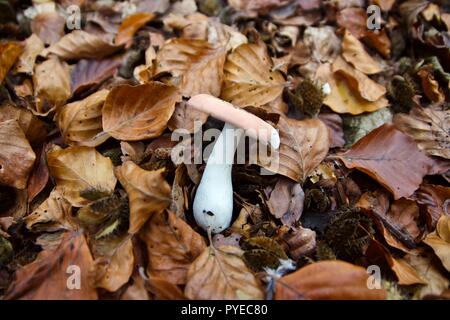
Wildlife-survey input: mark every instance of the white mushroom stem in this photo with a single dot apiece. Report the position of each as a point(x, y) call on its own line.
point(213, 203)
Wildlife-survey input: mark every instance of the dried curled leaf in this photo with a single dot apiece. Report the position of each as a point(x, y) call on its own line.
point(139, 112)
point(196, 65)
point(47, 278)
point(385, 154)
point(51, 85)
point(16, 155)
point(130, 25)
point(327, 280)
point(52, 215)
point(354, 53)
point(48, 26)
point(439, 240)
point(249, 79)
point(433, 198)
point(9, 53)
point(186, 118)
point(90, 72)
point(80, 44)
point(304, 144)
point(221, 274)
point(429, 128)
point(82, 174)
point(148, 192)
point(80, 122)
point(114, 271)
point(172, 246)
point(33, 46)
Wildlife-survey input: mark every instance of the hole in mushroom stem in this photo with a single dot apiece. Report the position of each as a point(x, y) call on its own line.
point(209, 213)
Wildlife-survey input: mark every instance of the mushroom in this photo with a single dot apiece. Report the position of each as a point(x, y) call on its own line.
point(213, 203)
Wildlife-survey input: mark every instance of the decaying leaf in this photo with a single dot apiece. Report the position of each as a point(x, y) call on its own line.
point(186, 118)
point(138, 112)
point(172, 246)
point(434, 199)
point(429, 128)
point(130, 25)
point(9, 53)
point(82, 174)
point(354, 53)
point(220, 273)
point(249, 79)
point(385, 154)
point(439, 240)
point(80, 122)
point(192, 59)
point(46, 278)
point(33, 46)
point(48, 26)
point(304, 144)
point(16, 155)
point(327, 280)
point(148, 193)
point(80, 44)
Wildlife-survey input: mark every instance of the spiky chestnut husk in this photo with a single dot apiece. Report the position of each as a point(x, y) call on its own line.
point(317, 200)
point(308, 97)
point(402, 91)
point(348, 234)
point(324, 251)
point(6, 251)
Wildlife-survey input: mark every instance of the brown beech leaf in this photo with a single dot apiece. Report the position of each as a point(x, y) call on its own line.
point(249, 79)
point(136, 290)
point(39, 176)
point(48, 26)
point(82, 174)
point(130, 25)
point(433, 198)
point(327, 280)
point(9, 53)
point(300, 241)
point(52, 215)
point(429, 128)
point(172, 246)
point(139, 112)
point(257, 6)
point(185, 118)
point(80, 44)
point(164, 290)
point(114, 271)
point(189, 59)
point(148, 192)
point(439, 240)
point(335, 126)
point(33, 46)
point(47, 278)
point(33, 128)
point(430, 86)
point(16, 155)
point(385, 154)
point(89, 73)
point(354, 53)
point(221, 274)
point(343, 98)
point(80, 122)
point(304, 144)
point(367, 88)
point(286, 201)
point(51, 85)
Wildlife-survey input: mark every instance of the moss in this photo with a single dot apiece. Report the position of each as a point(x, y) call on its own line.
point(308, 98)
point(348, 234)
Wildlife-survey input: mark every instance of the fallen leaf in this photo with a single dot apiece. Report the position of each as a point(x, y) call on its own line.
point(39, 175)
point(257, 6)
point(187, 59)
point(249, 79)
point(300, 241)
point(148, 193)
point(51, 81)
point(439, 241)
point(48, 26)
point(327, 280)
point(220, 274)
point(33, 46)
point(89, 73)
point(322, 42)
point(164, 290)
point(114, 271)
point(80, 44)
point(130, 25)
point(172, 246)
point(16, 155)
point(343, 98)
point(286, 201)
point(433, 198)
point(9, 53)
point(82, 174)
point(52, 215)
point(385, 5)
point(80, 122)
point(186, 118)
point(385, 154)
point(304, 144)
point(354, 53)
point(334, 123)
point(49, 276)
point(138, 112)
point(136, 290)
point(429, 128)
point(430, 86)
